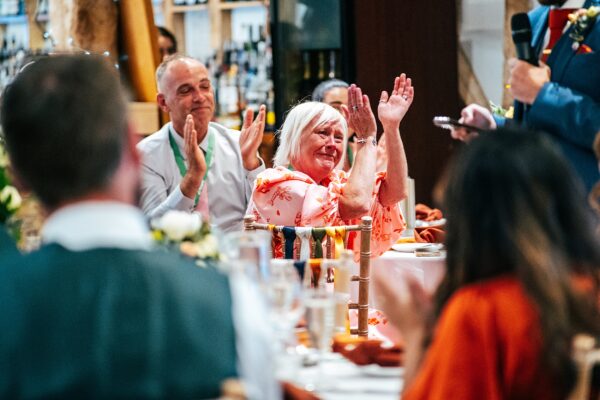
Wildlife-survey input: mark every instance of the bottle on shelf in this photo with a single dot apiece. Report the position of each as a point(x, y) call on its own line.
point(243, 79)
point(331, 73)
point(321, 72)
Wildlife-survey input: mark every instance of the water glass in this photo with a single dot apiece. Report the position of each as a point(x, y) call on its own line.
point(320, 317)
point(284, 294)
point(252, 249)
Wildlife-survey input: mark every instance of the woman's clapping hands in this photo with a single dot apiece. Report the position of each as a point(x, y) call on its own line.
point(391, 109)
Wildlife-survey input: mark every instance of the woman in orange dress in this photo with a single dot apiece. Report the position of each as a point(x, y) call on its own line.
point(307, 186)
point(506, 312)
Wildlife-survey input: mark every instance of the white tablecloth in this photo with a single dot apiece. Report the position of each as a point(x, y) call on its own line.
point(393, 264)
point(429, 270)
point(343, 380)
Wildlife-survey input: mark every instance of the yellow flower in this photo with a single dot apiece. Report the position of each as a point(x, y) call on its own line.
point(157, 235)
point(10, 197)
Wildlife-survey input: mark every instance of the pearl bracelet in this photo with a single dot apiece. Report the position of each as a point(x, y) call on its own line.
point(363, 140)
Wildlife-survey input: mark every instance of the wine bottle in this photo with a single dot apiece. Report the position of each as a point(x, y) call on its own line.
point(331, 64)
point(321, 72)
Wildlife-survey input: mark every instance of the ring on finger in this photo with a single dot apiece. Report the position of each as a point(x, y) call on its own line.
point(405, 97)
point(355, 108)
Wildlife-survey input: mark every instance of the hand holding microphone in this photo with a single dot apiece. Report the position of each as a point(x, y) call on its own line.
point(526, 77)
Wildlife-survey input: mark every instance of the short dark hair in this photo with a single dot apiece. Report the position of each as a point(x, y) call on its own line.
point(162, 31)
point(64, 120)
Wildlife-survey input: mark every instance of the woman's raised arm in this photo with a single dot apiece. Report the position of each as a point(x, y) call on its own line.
point(391, 111)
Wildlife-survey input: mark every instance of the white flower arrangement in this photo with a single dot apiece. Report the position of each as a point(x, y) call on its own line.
point(189, 232)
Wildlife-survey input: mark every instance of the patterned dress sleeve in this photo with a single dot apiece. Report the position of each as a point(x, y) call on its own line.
point(284, 197)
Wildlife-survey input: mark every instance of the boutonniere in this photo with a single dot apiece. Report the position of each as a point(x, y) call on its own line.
point(187, 233)
point(500, 111)
point(582, 21)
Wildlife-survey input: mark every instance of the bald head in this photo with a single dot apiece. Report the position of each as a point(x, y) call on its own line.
point(174, 61)
point(184, 88)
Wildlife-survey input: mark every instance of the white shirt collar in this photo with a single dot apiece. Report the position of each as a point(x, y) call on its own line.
point(573, 4)
point(98, 224)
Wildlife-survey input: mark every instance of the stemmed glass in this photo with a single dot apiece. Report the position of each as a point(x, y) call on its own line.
point(283, 291)
point(248, 250)
point(320, 318)
point(284, 294)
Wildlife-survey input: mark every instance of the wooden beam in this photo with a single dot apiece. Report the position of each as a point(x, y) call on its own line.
point(469, 88)
point(140, 43)
point(36, 30)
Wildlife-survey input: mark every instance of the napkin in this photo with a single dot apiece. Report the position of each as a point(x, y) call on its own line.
point(425, 213)
point(369, 351)
point(429, 235)
point(293, 392)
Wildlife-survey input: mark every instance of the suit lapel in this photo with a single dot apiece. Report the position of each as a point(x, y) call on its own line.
point(562, 53)
point(540, 28)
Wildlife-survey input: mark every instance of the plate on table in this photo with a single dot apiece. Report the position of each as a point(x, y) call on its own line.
point(411, 247)
point(377, 370)
point(430, 224)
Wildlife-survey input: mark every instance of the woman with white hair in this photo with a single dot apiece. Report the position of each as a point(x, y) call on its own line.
point(307, 187)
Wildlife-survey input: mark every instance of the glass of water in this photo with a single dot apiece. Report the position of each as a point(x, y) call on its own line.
point(320, 317)
point(283, 290)
point(250, 249)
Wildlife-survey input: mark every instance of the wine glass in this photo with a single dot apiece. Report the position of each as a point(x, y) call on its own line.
point(250, 250)
point(284, 294)
point(320, 311)
point(320, 318)
point(283, 291)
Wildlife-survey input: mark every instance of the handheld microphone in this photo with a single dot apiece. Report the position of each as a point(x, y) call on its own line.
point(521, 34)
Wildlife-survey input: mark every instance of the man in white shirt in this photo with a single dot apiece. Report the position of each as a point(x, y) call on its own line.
point(191, 163)
point(97, 312)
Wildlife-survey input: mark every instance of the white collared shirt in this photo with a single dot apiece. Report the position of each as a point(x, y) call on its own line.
point(98, 224)
point(229, 185)
point(573, 4)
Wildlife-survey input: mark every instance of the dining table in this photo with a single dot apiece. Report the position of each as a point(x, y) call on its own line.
point(393, 265)
point(337, 378)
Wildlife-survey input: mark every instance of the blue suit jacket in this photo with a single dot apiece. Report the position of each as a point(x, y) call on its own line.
point(568, 107)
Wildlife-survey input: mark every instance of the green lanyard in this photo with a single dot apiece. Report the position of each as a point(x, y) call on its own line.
point(181, 163)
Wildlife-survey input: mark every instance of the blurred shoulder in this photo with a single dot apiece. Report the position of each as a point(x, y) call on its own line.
point(497, 298)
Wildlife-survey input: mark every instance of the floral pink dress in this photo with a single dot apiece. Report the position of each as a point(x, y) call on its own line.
point(292, 198)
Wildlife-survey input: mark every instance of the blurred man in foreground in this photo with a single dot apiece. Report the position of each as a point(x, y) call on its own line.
point(96, 313)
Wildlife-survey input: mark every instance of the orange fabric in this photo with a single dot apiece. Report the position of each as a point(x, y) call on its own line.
point(429, 235)
point(487, 345)
point(426, 213)
point(369, 351)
